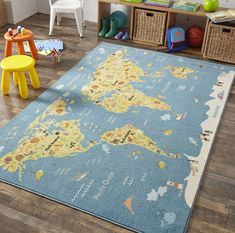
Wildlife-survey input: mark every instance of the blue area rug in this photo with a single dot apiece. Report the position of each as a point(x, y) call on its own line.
point(124, 135)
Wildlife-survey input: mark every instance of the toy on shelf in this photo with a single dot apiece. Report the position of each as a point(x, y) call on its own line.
point(162, 3)
point(222, 16)
point(186, 5)
point(121, 18)
point(18, 36)
point(176, 39)
point(211, 5)
point(194, 36)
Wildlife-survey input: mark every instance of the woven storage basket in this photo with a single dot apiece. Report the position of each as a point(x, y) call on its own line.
point(220, 43)
point(149, 26)
point(2, 13)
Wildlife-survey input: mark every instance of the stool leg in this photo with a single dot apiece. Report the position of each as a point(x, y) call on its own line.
point(20, 48)
point(16, 78)
point(23, 88)
point(33, 49)
point(34, 78)
point(8, 49)
point(5, 84)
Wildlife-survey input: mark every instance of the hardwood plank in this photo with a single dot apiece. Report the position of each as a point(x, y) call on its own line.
point(25, 223)
point(212, 205)
point(209, 228)
point(231, 219)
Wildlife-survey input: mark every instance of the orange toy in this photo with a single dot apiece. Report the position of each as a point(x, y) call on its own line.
point(194, 36)
point(19, 39)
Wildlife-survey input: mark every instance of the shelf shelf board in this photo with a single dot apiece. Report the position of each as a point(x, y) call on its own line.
point(200, 12)
point(195, 52)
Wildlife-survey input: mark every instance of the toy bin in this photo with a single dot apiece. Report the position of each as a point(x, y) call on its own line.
point(149, 26)
point(220, 42)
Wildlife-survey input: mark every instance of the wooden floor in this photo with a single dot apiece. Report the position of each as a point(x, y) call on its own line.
point(24, 212)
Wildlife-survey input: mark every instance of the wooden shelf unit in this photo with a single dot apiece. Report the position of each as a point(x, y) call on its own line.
point(104, 9)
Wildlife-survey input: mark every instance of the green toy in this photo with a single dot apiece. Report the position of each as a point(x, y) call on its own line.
point(211, 5)
point(113, 28)
point(103, 26)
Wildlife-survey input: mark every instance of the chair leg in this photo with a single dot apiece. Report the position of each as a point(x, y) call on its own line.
point(5, 84)
point(52, 21)
point(23, 88)
point(8, 49)
point(59, 19)
point(83, 19)
point(20, 48)
point(16, 78)
point(33, 49)
point(78, 18)
point(34, 78)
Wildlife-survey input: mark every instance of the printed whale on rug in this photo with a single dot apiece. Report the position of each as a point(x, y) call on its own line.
point(124, 135)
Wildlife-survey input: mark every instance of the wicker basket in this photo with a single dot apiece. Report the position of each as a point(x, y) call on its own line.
point(2, 13)
point(149, 26)
point(220, 43)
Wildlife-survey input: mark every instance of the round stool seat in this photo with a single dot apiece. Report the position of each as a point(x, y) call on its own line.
point(27, 36)
point(17, 63)
point(19, 40)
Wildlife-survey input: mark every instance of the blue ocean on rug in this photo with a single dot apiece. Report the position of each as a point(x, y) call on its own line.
point(124, 135)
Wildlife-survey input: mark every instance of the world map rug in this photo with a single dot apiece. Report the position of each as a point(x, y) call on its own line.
point(124, 135)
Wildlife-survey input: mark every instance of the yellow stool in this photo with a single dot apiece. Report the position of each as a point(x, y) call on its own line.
point(18, 64)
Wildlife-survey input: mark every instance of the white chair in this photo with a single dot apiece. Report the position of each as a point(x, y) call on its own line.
point(67, 6)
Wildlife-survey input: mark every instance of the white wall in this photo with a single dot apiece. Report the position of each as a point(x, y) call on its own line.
point(43, 6)
point(18, 10)
point(90, 9)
